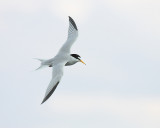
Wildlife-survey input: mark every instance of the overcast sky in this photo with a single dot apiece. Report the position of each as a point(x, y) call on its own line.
point(119, 40)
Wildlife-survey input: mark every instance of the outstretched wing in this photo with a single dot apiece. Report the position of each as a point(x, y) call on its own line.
point(57, 74)
point(72, 35)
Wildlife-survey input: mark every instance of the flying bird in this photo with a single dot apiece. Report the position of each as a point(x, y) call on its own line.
point(63, 58)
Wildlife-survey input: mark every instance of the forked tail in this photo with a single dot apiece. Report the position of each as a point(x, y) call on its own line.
point(41, 66)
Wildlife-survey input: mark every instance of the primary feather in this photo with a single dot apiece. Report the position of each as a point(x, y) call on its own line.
point(57, 74)
point(61, 59)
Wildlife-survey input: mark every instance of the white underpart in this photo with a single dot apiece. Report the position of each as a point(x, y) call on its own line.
point(59, 61)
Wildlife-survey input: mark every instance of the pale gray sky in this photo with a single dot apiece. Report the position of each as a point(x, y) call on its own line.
point(118, 88)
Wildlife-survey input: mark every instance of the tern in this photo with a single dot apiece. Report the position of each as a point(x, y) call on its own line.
point(62, 58)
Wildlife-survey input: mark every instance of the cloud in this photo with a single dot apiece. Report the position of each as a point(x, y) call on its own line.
point(123, 30)
point(27, 6)
point(143, 20)
point(142, 110)
point(74, 8)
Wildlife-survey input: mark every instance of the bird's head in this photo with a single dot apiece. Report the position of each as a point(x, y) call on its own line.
point(77, 58)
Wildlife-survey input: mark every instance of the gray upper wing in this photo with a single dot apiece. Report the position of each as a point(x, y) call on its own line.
point(72, 36)
point(57, 74)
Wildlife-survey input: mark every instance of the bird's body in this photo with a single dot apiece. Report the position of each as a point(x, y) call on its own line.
point(63, 58)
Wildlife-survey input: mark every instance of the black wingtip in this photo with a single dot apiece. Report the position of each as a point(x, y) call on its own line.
point(43, 101)
point(50, 93)
point(72, 22)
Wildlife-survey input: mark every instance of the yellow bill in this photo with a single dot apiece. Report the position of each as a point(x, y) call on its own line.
point(82, 62)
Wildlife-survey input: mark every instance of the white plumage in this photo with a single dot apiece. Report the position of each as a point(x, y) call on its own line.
point(63, 58)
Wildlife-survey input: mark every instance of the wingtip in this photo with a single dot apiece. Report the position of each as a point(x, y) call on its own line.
point(44, 100)
point(70, 17)
point(42, 103)
point(50, 93)
point(73, 22)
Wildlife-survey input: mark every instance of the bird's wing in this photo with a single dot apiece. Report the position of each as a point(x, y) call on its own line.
point(57, 74)
point(72, 35)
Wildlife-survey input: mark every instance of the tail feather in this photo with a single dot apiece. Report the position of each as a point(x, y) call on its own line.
point(41, 60)
point(41, 66)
